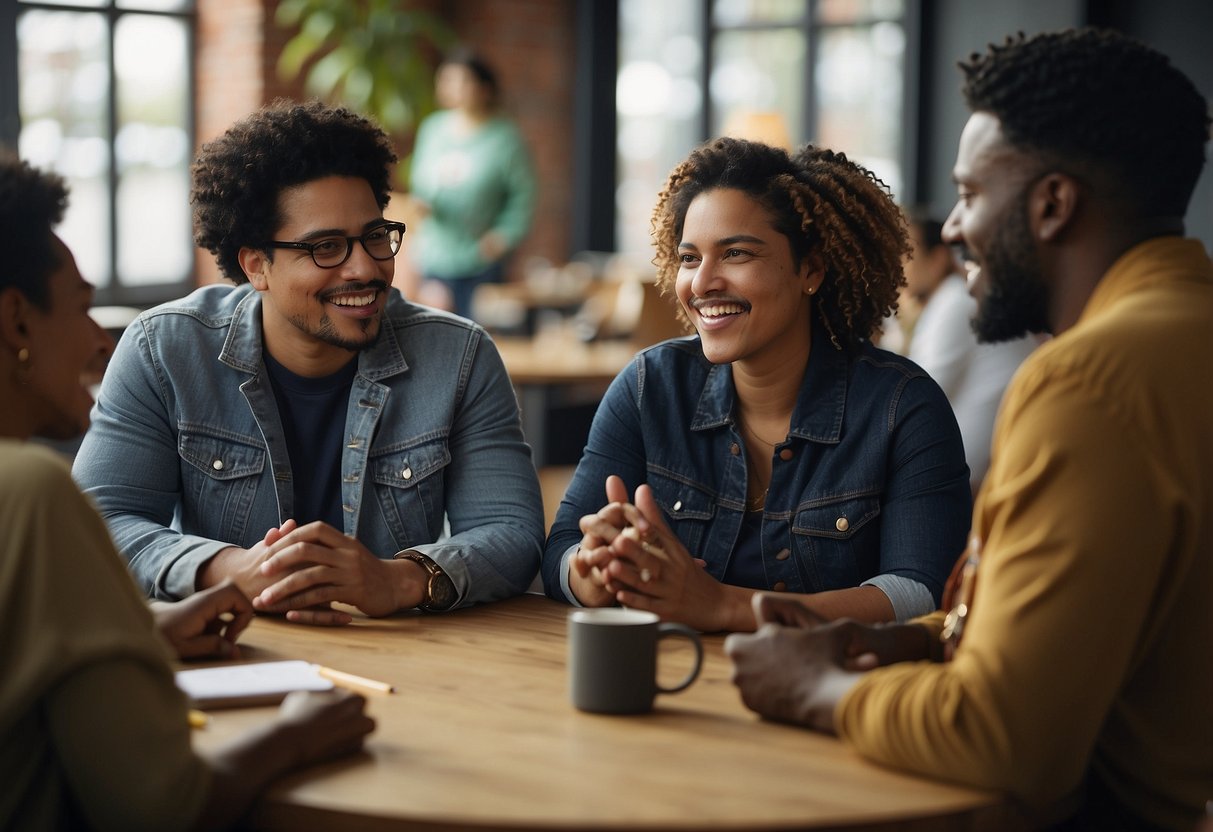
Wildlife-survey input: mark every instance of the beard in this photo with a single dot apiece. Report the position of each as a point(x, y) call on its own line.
point(329, 334)
point(1016, 301)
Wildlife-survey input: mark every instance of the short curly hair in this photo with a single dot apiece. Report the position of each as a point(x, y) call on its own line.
point(238, 177)
point(1093, 100)
point(822, 202)
point(31, 204)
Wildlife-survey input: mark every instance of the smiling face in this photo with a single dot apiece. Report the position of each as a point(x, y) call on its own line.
point(315, 318)
point(67, 349)
point(990, 220)
point(738, 284)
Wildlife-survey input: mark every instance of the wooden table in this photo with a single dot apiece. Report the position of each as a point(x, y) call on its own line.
point(480, 735)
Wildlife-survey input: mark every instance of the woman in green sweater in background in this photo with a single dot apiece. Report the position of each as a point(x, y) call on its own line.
point(472, 179)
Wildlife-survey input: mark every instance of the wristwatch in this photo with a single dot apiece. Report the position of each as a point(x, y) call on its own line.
point(440, 591)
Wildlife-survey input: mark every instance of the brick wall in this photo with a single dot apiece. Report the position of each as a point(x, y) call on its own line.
point(528, 42)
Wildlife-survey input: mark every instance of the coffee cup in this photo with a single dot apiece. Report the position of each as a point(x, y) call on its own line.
point(613, 659)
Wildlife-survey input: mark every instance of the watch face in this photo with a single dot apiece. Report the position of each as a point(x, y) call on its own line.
point(442, 592)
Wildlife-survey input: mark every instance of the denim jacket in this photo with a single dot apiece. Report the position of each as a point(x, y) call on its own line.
point(186, 454)
point(870, 485)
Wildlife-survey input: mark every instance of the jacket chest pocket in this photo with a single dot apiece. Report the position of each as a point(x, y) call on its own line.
point(219, 478)
point(690, 512)
point(409, 487)
point(837, 544)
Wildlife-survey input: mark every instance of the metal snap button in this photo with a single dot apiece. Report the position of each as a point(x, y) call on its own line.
point(217, 464)
point(786, 454)
point(734, 449)
point(407, 473)
point(841, 524)
point(780, 586)
point(783, 554)
point(678, 505)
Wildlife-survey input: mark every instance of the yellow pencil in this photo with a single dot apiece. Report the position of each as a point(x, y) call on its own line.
point(349, 680)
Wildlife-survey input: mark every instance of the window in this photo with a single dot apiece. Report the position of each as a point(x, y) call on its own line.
point(104, 98)
point(831, 72)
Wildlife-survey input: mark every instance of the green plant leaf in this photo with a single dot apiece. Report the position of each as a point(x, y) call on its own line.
point(327, 72)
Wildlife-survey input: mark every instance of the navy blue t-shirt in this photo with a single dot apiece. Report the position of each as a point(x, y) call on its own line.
point(745, 563)
point(313, 423)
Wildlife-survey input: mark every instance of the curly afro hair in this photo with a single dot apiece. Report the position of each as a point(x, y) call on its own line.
point(31, 203)
point(237, 177)
point(825, 204)
point(1096, 101)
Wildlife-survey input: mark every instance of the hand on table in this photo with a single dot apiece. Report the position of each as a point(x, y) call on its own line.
point(796, 669)
point(207, 623)
point(316, 565)
point(322, 726)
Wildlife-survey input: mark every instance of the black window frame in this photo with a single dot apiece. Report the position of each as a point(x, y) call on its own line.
point(116, 292)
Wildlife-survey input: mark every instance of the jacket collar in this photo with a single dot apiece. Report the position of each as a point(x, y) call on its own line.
point(819, 409)
point(242, 347)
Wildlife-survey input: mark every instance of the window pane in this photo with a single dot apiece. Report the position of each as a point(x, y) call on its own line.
point(859, 96)
point(89, 3)
point(757, 85)
point(738, 12)
point(156, 5)
point(659, 104)
point(64, 100)
point(859, 11)
point(152, 149)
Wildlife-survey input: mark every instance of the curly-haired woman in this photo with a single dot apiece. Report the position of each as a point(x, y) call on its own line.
point(778, 449)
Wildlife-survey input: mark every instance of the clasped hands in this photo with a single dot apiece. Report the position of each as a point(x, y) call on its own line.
point(300, 571)
point(628, 555)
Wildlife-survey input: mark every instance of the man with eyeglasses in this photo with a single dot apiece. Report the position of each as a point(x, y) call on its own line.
point(307, 432)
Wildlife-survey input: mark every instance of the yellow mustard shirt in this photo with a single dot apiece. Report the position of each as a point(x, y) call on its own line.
point(93, 732)
point(1089, 644)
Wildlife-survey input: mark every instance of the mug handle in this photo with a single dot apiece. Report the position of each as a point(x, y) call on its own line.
point(682, 631)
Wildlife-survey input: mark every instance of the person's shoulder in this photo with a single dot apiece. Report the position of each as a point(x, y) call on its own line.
point(677, 356)
point(426, 326)
point(33, 469)
point(881, 364)
point(214, 304)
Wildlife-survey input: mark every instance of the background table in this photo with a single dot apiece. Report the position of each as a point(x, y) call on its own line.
point(549, 373)
point(480, 735)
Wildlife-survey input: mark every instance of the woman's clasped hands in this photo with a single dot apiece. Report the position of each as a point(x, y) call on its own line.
point(628, 555)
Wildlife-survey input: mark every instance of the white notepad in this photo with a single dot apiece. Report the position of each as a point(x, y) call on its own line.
point(241, 685)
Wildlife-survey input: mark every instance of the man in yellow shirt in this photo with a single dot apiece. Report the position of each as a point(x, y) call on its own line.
point(1083, 685)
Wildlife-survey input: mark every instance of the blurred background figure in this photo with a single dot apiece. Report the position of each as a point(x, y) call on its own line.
point(941, 341)
point(473, 184)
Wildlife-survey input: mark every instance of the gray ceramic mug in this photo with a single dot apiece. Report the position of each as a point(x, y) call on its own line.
point(613, 659)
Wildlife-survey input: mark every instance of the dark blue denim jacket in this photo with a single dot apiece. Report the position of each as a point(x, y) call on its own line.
point(870, 483)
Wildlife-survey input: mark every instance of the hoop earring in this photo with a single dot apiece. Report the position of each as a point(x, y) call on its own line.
point(24, 373)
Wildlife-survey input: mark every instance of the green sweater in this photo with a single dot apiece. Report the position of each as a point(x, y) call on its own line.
point(473, 184)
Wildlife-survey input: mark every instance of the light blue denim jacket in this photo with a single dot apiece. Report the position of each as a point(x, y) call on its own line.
point(871, 486)
point(186, 455)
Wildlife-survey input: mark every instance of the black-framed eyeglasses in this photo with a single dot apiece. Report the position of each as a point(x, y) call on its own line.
point(381, 242)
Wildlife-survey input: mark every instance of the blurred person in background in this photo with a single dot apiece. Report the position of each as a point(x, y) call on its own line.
point(93, 731)
point(473, 184)
point(942, 341)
